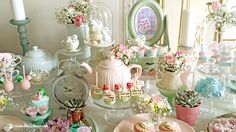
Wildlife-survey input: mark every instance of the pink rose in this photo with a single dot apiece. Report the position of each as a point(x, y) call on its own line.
point(216, 4)
point(122, 47)
point(169, 59)
point(178, 53)
point(78, 20)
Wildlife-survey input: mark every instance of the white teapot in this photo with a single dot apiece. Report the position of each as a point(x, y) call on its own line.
point(38, 59)
point(71, 43)
point(112, 71)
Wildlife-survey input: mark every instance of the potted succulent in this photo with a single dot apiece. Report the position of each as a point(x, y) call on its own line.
point(187, 104)
point(74, 110)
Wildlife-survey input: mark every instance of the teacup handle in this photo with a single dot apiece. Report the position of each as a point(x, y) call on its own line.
point(45, 71)
point(17, 59)
point(138, 72)
point(63, 44)
point(17, 72)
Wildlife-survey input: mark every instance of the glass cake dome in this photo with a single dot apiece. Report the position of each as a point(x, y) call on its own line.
point(100, 26)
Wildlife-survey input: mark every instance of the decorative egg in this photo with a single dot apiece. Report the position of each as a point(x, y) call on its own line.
point(8, 86)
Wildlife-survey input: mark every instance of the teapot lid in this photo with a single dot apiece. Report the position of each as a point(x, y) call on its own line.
point(111, 63)
point(35, 52)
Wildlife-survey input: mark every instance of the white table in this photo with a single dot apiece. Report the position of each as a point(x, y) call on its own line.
point(222, 106)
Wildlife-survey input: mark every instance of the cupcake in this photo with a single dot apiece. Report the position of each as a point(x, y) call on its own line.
point(144, 127)
point(97, 93)
point(110, 98)
point(169, 126)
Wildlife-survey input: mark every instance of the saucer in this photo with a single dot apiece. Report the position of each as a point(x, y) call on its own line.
point(100, 45)
point(70, 51)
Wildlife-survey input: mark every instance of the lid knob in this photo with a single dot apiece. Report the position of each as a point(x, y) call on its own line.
point(35, 47)
point(111, 57)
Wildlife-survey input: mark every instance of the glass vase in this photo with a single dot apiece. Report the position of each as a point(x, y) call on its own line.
point(156, 118)
point(219, 34)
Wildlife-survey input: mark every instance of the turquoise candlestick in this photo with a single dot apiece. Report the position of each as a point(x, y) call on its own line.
point(22, 33)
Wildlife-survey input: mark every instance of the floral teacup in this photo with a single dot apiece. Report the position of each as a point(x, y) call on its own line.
point(139, 51)
point(151, 51)
point(39, 77)
point(9, 60)
point(71, 43)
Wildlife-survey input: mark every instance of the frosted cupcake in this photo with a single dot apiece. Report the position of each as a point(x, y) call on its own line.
point(169, 126)
point(144, 127)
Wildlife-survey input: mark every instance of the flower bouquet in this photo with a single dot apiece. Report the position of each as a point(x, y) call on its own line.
point(172, 62)
point(123, 53)
point(157, 106)
point(76, 16)
point(221, 15)
point(75, 12)
point(171, 65)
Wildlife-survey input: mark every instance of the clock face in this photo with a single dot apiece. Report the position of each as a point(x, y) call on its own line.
point(69, 87)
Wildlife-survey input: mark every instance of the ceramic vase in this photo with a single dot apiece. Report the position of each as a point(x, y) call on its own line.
point(83, 32)
point(188, 115)
point(75, 116)
point(170, 81)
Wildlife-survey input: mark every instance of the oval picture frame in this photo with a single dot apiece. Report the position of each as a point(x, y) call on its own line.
point(159, 18)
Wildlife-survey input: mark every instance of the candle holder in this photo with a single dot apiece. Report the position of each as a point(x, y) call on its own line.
point(22, 32)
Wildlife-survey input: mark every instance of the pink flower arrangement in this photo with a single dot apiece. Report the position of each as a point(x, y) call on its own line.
point(123, 53)
point(173, 62)
point(216, 4)
point(75, 12)
point(57, 125)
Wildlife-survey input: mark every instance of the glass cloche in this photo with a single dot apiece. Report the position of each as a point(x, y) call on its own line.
point(100, 26)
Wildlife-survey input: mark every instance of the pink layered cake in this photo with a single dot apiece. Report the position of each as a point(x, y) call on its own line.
point(39, 100)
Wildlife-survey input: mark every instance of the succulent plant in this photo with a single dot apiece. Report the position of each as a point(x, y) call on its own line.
point(188, 98)
point(74, 104)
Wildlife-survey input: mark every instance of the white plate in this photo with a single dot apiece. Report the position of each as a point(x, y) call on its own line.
point(127, 125)
point(15, 121)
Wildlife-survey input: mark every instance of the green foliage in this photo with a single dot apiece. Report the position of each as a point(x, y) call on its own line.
point(189, 99)
point(73, 104)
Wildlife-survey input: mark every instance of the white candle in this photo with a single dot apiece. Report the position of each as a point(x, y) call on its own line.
point(18, 10)
point(96, 79)
point(188, 28)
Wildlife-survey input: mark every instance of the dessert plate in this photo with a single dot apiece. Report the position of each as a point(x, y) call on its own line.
point(127, 125)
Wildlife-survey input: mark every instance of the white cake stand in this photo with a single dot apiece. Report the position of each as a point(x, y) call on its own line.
point(115, 112)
